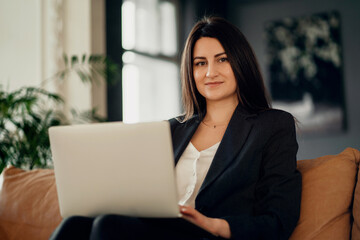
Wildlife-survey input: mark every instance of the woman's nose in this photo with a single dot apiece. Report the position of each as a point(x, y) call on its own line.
point(211, 71)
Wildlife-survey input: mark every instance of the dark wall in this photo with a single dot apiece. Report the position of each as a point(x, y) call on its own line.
point(114, 51)
point(251, 17)
point(191, 11)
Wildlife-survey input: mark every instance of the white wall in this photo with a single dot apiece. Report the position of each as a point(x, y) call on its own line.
point(20, 43)
point(35, 33)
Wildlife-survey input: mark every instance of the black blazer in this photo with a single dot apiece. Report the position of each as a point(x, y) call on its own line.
point(252, 182)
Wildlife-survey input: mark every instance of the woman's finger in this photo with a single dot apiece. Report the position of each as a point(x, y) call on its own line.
point(190, 212)
point(192, 215)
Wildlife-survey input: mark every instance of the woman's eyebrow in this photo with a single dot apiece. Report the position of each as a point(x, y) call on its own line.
point(219, 54)
point(199, 57)
point(216, 55)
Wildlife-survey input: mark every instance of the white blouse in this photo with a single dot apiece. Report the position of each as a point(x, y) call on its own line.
point(191, 171)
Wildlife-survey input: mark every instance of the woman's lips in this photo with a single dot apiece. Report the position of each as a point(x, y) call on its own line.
point(213, 84)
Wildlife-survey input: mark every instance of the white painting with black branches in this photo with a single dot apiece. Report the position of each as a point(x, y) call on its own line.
point(304, 59)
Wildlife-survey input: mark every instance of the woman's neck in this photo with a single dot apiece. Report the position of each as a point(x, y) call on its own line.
point(219, 112)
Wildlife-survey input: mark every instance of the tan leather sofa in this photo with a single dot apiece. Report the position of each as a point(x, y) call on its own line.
point(330, 207)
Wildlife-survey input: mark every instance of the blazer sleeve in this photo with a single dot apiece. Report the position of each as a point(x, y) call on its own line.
point(278, 191)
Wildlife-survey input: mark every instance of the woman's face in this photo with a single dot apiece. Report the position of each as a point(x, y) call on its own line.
point(214, 77)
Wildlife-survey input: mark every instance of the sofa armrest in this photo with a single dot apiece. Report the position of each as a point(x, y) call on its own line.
point(356, 203)
point(327, 196)
point(29, 206)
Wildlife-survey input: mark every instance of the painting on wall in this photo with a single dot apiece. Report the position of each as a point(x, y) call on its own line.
point(304, 60)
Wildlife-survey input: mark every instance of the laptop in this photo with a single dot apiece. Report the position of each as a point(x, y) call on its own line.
point(115, 168)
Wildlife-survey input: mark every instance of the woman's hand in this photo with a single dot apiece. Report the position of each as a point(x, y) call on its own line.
point(216, 226)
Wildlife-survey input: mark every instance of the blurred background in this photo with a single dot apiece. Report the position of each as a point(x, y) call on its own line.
point(145, 39)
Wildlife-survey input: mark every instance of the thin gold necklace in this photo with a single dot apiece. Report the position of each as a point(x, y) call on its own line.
point(213, 126)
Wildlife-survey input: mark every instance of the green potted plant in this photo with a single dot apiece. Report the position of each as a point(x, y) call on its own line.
point(27, 113)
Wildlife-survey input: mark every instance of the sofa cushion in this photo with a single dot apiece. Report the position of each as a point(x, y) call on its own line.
point(29, 206)
point(356, 203)
point(327, 196)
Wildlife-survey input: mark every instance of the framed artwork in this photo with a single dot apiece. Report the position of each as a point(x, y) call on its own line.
point(304, 60)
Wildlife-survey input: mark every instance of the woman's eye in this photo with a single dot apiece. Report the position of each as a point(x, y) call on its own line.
point(199, 63)
point(223, 59)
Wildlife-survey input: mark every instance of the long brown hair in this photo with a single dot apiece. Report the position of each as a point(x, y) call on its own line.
point(250, 85)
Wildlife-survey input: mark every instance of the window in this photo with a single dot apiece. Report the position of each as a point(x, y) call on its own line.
point(151, 86)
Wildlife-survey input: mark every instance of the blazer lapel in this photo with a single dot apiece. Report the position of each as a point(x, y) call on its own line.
point(183, 136)
point(231, 144)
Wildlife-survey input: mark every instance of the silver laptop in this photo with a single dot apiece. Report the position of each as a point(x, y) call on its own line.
point(115, 168)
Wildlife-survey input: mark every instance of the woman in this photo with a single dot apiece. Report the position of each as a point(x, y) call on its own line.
point(235, 156)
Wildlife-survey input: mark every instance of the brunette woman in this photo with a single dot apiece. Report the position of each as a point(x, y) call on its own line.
point(235, 156)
